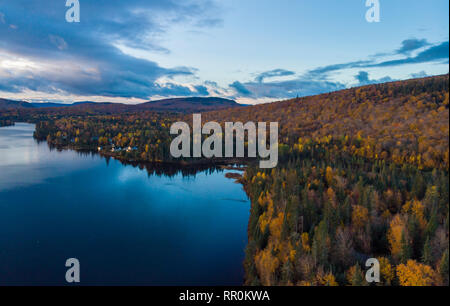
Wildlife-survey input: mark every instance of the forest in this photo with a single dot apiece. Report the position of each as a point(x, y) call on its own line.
point(362, 173)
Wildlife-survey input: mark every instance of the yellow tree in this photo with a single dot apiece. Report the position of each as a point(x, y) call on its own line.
point(327, 279)
point(360, 216)
point(305, 243)
point(266, 264)
point(386, 270)
point(396, 235)
point(416, 274)
point(329, 176)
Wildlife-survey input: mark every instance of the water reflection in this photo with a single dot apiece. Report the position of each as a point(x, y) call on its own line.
point(20, 153)
point(23, 161)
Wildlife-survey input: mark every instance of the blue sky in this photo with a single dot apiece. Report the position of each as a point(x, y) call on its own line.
point(251, 51)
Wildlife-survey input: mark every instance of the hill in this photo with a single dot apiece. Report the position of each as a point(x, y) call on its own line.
point(400, 121)
point(11, 104)
point(189, 105)
point(363, 173)
point(179, 105)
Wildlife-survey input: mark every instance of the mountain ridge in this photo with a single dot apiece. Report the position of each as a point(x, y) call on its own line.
point(181, 105)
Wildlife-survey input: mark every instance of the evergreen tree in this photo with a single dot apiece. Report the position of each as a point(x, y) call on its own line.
point(427, 255)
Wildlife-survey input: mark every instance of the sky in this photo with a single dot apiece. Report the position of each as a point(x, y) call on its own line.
point(252, 51)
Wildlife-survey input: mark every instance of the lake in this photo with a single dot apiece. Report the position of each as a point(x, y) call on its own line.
point(125, 225)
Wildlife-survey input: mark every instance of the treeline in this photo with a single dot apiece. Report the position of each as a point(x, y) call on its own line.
point(133, 137)
point(6, 122)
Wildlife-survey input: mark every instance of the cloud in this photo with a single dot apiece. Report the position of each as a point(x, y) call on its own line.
point(363, 79)
point(58, 42)
point(81, 58)
point(322, 72)
point(434, 53)
point(413, 44)
point(285, 89)
point(201, 90)
point(317, 81)
point(421, 74)
point(406, 48)
point(240, 89)
point(273, 73)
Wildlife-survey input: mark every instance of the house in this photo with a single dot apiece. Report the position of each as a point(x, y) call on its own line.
point(129, 149)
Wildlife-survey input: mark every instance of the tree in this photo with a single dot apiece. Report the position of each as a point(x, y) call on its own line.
point(329, 176)
point(416, 274)
point(360, 216)
point(427, 256)
point(406, 250)
point(327, 280)
point(397, 237)
point(355, 276)
point(266, 265)
point(321, 244)
point(386, 271)
point(305, 242)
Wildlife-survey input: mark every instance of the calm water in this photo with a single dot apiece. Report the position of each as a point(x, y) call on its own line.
point(123, 225)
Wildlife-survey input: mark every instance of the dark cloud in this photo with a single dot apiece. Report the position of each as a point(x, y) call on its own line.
point(285, 89)
point(94, 65)
point(201, 90)
point(240, 89)
point(434, 53)
point(273, 73)
point(363, 79)
point(293, 88)
point(410, 45)
point(322, 72)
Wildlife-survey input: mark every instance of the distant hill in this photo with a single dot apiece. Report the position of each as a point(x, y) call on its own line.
point(189, 105)
point(10, 104)
point(49, 104)
point(181, 105)
point(91, 102)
